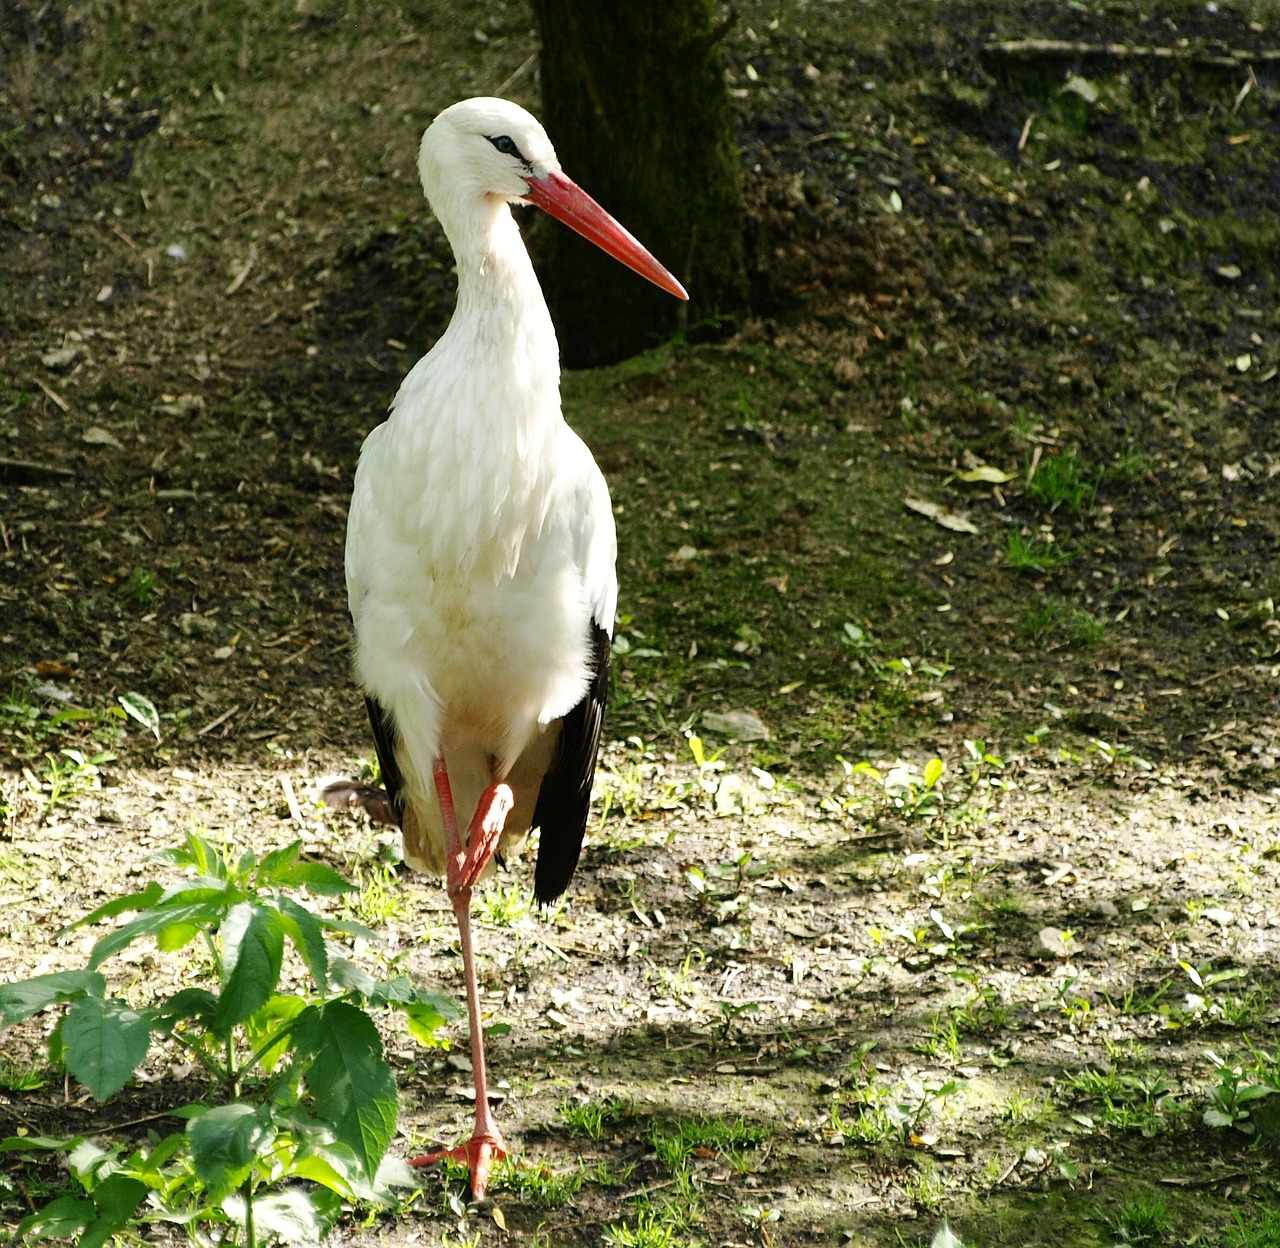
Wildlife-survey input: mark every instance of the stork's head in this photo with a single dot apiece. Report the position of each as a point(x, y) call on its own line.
point(485, 148)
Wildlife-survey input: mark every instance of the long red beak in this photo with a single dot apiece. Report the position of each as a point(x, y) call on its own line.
point(568, 202)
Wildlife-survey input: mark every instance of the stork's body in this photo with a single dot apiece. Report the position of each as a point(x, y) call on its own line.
point(480, 550)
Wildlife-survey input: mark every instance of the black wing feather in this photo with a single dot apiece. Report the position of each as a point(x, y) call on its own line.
point(565, 794)
point(384, 741)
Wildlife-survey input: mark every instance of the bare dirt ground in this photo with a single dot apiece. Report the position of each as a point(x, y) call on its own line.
point(1011, 262)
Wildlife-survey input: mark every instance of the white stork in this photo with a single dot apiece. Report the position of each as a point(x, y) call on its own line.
point(480, 554)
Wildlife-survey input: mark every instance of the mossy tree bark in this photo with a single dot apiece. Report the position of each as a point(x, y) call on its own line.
point(635, 100)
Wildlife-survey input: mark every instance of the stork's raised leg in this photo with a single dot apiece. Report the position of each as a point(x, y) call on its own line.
point(466, 863)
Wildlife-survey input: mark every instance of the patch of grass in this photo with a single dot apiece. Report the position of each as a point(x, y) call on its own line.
point(674, 1140)
point(378, 900)
point(925, 1186)
point(503, 907)
point(1030, 554)
point(538, 1182)
point(942, 1041)
point(1084, 628)
point(1039, 618)
point(1063, 481)
point(1259, 1231)
point(648, 1230)
point(1141, 1220)
point(1020, 1107)
point(1130, 465)
point(592, 1118)
point(1145, 1101)
point(16, 1077)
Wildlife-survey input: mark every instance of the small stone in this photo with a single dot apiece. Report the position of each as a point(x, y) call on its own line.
point(1103, 909)
point(1053, 942)
point(192, 625)
point(61, 359)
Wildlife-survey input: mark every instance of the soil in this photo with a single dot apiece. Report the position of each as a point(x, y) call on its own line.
point(1029, 284)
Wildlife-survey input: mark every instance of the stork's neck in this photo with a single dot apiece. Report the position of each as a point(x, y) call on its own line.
point(501, 314)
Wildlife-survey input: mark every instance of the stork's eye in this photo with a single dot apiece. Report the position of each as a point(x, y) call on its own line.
point(506, 145)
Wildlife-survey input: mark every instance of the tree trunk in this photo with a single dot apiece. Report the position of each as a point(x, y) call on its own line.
point(635, 101)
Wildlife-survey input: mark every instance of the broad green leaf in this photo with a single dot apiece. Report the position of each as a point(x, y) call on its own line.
point(316, 877)
point(399, 990)
point(27, 1143)
point(303, 928)
point(197, 1004)
point(103, 1043)
point(87, 1159)
point(932, 772)
point(349, 1080)
point(115, 1198)
point(60, 1219)
point(297, 1216)
point(252, 951)
point(176, 936)
point(152, 922)
point(423, 1020)
point(204, 857)
point(347, 928)
point(140, 707)
point(346, 974)
point(278, 860)
point(271, 1021)
point(334, 1166)
point(29, 996)
point(117, 905)
point(225, 1144)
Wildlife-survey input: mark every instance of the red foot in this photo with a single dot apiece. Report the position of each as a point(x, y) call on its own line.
point(479, 1153)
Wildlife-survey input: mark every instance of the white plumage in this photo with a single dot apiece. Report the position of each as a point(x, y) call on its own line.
point(480, 546)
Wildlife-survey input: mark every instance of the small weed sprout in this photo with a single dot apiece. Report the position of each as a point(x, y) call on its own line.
point(1027, 554)
point(1062, 480)
point(1233, 1101)
point(1141, 1220)
point(592, 1118)
point(503, 907)
point(141, 588)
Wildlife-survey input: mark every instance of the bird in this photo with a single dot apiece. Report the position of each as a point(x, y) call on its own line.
point(480, 556)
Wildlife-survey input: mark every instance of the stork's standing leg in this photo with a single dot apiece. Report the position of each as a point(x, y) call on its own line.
point(465, 866)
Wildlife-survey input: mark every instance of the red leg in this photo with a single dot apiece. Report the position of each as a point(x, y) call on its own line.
point(465, 866)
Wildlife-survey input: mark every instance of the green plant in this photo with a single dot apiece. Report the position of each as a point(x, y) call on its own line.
point(63, 781)
point(1206, 1005)
point(648, 1230)
point(1084, 628)
point(539, 1182)
point(943, 1039)
point(1234, 1102)
point(503, 907)
point(375, 900)
point(1260, 1230)
point(924, 1186)
point(1062, 480)
point(674, 1140)
point(1039, 617)
point(300, 1087)
point(591, 1118)
point(1140, 1220)
point(141, 587)
point(1027, 554)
